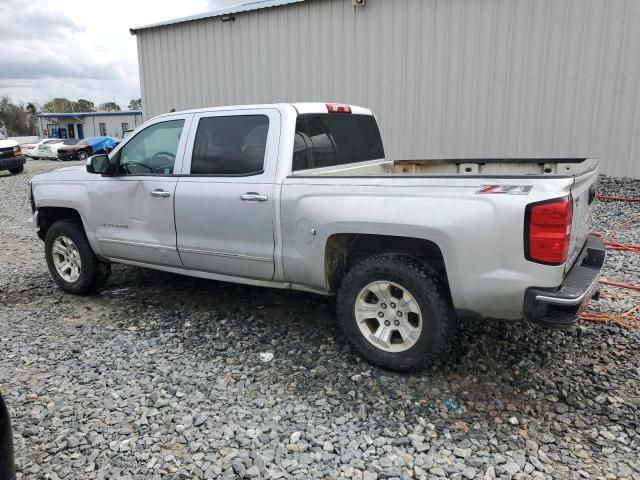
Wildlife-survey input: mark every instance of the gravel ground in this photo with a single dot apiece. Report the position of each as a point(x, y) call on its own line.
point(162, 376)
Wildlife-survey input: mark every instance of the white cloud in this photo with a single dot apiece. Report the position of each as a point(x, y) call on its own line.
point(79, 48)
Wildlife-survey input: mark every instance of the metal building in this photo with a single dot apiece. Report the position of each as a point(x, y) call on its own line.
point(446, 78)
point(88, 124)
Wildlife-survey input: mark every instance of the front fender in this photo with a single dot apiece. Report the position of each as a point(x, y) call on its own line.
point(71, 195)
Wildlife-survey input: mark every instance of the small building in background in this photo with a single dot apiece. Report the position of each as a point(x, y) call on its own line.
point(88, 124)
point(445, 78)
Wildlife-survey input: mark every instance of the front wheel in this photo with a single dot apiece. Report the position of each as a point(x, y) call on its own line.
point(396, 312)
point(71, 261)
point(82, 155)
point(17, 170)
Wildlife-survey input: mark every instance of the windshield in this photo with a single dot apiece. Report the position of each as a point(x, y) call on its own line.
point(83, 142)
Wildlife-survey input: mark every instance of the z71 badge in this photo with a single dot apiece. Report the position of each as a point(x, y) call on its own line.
point(505, 189)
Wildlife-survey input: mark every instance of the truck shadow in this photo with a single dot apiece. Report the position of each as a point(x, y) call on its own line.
point(493, 366)
point(214, 319)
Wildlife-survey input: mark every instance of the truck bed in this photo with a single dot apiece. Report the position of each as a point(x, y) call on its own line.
point(488, 167)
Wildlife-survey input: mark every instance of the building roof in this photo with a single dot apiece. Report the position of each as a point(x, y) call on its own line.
point(241, 7)
point(88, 114)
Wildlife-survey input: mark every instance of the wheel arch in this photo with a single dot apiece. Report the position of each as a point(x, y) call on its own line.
point(47, 216)
point(344, 250)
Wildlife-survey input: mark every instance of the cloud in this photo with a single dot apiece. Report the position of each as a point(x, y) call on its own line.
point(43, 66)
point(78, 48)
point(218, 4)
point(39, 25)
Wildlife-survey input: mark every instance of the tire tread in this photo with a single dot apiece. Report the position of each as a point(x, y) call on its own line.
point(94, 273)
point(390, 264)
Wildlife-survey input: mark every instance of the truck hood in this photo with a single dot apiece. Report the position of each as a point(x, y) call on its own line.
point(7, 143)
point(78, 172)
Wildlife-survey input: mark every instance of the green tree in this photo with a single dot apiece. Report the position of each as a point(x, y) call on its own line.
point(16, 117)
point(83, 105)
point(32, 117)
point(135, 104)
point(109, 107)
point(58, 105)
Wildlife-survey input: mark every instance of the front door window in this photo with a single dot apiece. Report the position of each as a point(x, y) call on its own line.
point(152, 151)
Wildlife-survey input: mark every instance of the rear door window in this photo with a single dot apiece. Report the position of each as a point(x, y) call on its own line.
point(230, 145)
point(331, 139)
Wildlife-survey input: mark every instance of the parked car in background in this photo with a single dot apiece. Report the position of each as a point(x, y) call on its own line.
point(302, 197)
point(11, 157)
point(31, 149)
point(52, 148)
point(87, 147)
point(7, 465)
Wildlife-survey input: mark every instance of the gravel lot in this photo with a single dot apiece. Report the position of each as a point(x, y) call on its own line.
point(162, 376)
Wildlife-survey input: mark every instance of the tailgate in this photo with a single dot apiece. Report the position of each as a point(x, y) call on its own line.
point(583, 193)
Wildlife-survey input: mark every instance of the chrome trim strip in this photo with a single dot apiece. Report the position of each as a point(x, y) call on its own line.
point(137, 244)
point(225, 254)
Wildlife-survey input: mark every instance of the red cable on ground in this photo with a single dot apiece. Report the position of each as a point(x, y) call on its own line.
point(618, 199)
point(620, 285)
point(630, 318)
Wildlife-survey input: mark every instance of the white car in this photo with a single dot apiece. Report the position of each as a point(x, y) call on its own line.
point(49, 148)
point(53, 147)
point(37, 150)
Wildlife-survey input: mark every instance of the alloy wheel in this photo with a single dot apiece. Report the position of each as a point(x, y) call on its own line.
point(66, 258)
point(388, 316)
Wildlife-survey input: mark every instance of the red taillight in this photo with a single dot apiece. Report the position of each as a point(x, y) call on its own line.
point(338, 108)
point(548, 231)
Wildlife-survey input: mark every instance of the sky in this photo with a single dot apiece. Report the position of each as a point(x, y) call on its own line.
point(80, 48)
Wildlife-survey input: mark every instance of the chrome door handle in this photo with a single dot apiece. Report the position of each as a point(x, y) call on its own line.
point(253, 197)
point(160, 193)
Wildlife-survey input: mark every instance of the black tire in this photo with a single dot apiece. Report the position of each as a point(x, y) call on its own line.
point(17, 170)
point(104, 272)
point(438, 317)
point(94, 274)
point(82, 155)
point(7, 466)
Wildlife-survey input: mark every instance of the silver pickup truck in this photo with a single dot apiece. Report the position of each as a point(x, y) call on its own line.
point(301, 196)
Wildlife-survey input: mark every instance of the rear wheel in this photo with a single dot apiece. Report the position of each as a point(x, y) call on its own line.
point(71, 261)
point(396, 312)
point(82, 155)
point(17, 170)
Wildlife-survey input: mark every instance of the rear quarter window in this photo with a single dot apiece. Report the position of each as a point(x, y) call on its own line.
point(332, 139)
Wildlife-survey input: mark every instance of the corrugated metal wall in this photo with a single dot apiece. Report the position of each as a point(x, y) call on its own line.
point(446, 78)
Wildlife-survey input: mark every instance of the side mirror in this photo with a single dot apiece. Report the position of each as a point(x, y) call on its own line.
point(99, 164)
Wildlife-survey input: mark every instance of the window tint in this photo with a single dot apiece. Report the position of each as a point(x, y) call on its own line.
point(329, 139)
point(233, 145)
point(153, 150)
